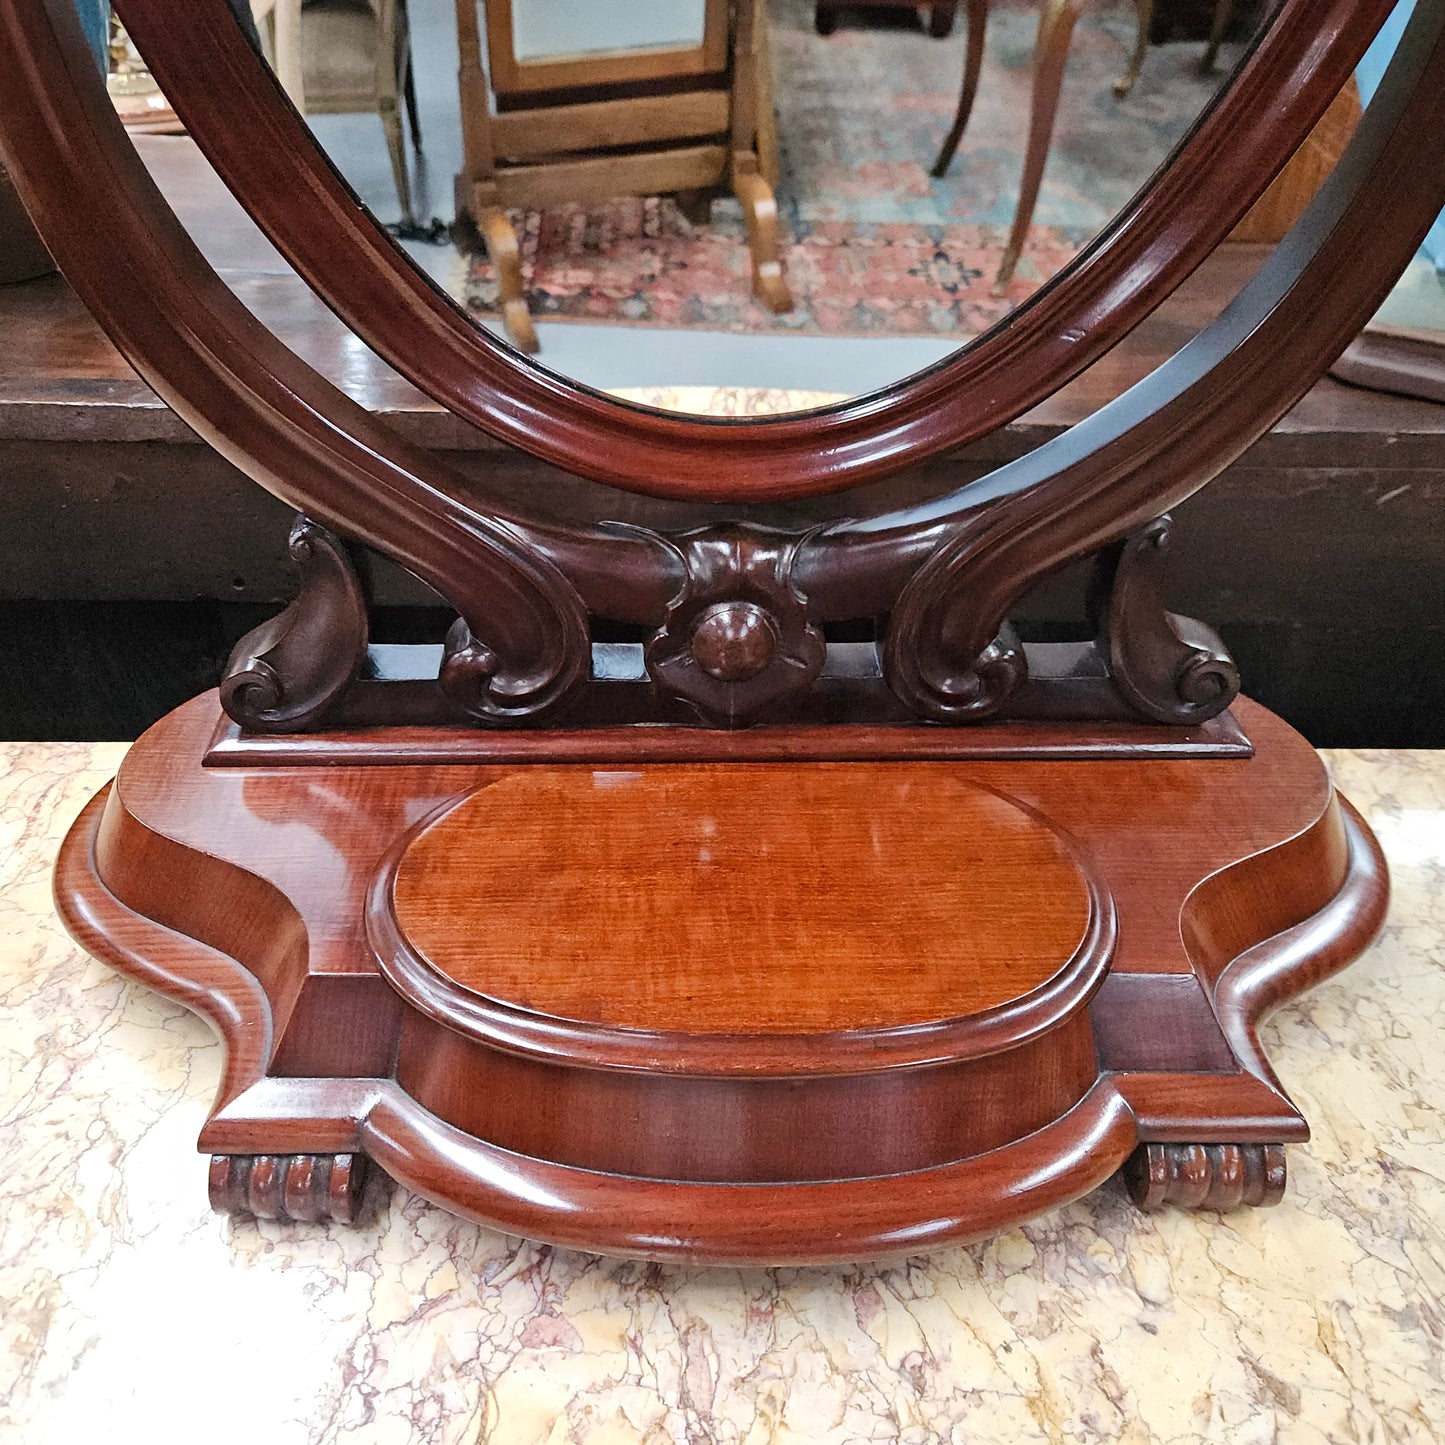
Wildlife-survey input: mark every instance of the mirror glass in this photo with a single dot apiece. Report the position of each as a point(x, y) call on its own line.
point(1417, 303)
point(553, 29)
point(741, 208)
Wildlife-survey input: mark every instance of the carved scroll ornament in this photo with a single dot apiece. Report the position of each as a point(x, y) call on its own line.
point(1172, 433)
point(523, 646)
point(1172, 669)
point(948, 572)
point(286, 674)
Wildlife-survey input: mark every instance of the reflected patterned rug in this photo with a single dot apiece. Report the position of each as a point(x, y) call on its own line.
point(875, 245)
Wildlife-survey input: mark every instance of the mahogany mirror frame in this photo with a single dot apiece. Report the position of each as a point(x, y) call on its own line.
point(263, 150)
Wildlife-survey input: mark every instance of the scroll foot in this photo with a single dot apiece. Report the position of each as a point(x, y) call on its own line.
point(313, 1188)
point(1205, 1176)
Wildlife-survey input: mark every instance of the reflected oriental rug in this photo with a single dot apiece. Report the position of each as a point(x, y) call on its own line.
point(875, 245)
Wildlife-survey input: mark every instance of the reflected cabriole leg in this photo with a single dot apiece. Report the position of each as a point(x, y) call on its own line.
point(760, 212)
point(1223, 14)
point(1051, 56)
point(1205, 1176)
point(1125, 83)
point(396, 147)
point(972, 68)
point(506, 257)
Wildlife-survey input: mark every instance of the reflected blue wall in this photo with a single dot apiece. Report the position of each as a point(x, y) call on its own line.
point(95, 19)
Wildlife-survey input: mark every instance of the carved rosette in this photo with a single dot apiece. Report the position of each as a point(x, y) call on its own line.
point(1169, 668)
point(285, 674)
point(311, 1188)
point(1205, 1176)
point(737, 642)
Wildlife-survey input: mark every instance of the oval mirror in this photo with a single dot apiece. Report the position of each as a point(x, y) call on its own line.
point(745, 209)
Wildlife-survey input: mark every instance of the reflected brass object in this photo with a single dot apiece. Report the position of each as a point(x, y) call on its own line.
point(133, 89)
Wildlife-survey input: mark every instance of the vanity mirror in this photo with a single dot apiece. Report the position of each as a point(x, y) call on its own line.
point(821, 916)
point(716, 208)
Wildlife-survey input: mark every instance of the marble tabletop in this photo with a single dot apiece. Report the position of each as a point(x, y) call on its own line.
point(131, 1313)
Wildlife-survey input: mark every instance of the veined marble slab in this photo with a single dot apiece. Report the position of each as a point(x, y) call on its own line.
point(131, 1313)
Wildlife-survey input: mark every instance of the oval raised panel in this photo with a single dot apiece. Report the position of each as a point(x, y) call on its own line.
point(725, 900)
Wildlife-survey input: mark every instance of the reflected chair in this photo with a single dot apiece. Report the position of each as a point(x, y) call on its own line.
point(1057, 19)
point(689, 120)
point(337, 57)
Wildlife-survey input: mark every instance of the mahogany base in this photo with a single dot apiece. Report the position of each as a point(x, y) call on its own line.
point(799, 1012)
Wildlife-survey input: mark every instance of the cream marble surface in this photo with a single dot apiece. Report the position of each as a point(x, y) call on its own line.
point(132, 1314)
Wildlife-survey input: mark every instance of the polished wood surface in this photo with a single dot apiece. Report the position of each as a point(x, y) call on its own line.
point(1292, 190)
point(1214, 886)
point(573, 181)
point(854, 1143)
point(1328, 522)
point(1220, 737)
point(946, 575)
point(587, 125)
point(761, 899)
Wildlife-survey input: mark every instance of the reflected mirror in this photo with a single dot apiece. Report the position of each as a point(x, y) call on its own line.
point(746, 206)
point(556, 29)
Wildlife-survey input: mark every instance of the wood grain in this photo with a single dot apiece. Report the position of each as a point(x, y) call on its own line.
point(62, 380)
point(1295, 186)
point(635, 120)
point(743, 899)
point(595, 178)
point(1220, 737)
point(1150, 449)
